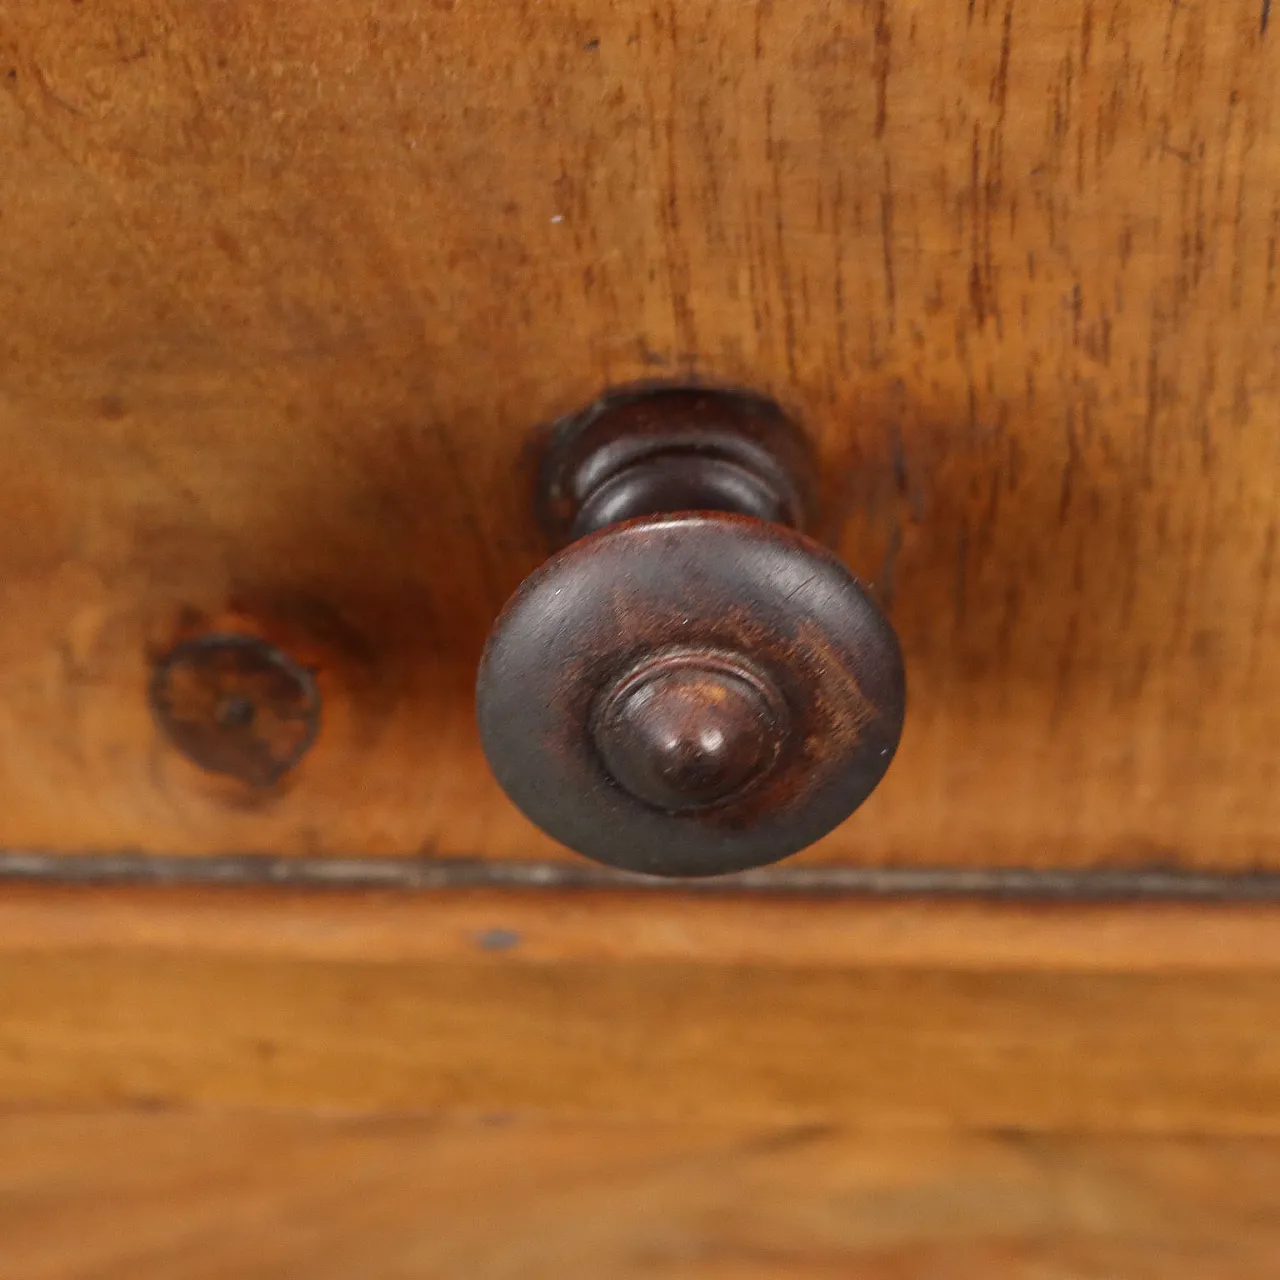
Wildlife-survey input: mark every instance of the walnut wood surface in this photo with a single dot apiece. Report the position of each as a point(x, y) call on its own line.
point(586, 1006)
point(286, 287)
point(611, 927)
point(172, 1196)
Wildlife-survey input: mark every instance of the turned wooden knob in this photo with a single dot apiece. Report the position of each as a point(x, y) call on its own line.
point(691, 686)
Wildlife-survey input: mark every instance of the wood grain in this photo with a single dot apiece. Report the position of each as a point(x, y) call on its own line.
point(287, 288)
point(920, 1017)
point(168, 1196)
point(619, 927)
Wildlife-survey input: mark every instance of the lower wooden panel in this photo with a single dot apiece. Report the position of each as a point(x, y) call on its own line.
point(1128, 1019)
point(204, 1197)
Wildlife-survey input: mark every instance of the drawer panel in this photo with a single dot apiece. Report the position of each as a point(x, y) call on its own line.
point(290, 290)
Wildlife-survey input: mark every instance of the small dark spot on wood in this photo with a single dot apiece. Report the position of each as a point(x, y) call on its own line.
point(111, 408)
point(266, 1050)
point(498, 939)
point(13, 73)
point(1266, 16)
point(227, 244)
point(591, 46)
point(788, 1139)
point(189, 619)
point(654, 359)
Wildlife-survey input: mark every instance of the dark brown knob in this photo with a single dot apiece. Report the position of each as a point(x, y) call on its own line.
point(691, 686)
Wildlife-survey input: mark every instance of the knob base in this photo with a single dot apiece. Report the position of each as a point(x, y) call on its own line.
point(651, 451)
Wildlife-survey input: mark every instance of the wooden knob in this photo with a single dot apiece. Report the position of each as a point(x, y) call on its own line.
point(690, 686)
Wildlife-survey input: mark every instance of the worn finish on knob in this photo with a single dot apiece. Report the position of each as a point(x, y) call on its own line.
point(696, 768)
point(687, 730)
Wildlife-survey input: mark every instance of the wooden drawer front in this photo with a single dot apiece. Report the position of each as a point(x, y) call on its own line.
point(287, 288)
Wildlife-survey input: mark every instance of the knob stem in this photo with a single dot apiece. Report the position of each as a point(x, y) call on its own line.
point(674, 450)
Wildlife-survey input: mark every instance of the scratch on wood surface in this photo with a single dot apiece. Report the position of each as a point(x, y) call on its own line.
point(886, 243)
point(883, 50)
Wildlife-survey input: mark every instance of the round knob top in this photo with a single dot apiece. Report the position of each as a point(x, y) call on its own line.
point(686, 730)
point(691, 694)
